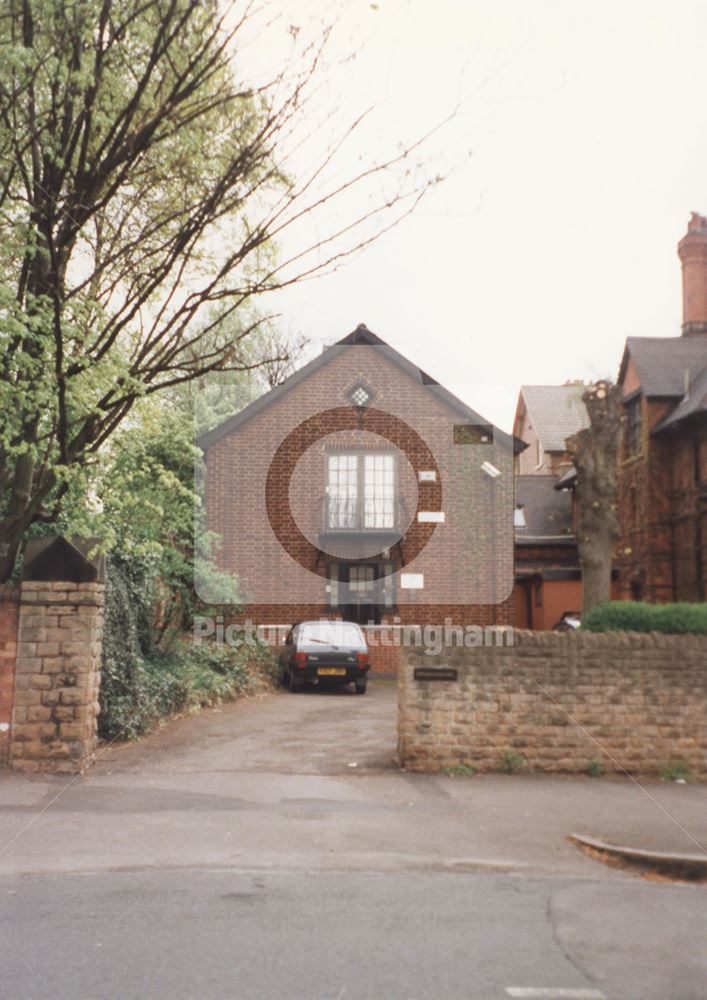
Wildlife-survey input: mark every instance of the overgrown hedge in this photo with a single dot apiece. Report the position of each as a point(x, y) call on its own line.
point(141, 684)
point(636, 616)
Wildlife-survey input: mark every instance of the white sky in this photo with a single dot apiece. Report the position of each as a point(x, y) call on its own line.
point(557, 238)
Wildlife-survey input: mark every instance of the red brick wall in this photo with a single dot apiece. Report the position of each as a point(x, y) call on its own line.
point(475, 507)
point(549, 600)
point(384, 649)
point(9, 615)
point(663, 521)
point(689, 513)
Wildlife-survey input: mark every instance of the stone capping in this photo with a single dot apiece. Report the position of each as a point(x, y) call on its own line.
point(55, 557)
point(556, 701)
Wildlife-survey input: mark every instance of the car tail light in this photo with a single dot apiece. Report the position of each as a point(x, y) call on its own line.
point(362, 659)
point(300, 659)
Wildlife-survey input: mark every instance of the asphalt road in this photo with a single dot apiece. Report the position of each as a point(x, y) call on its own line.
point(353, 936)
point(240, 854)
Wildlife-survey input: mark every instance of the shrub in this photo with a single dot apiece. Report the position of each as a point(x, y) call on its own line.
point(511, 761)
point(636, 616)
point(141, 684)
point(191, 678)
point(461, 771)
point(675, 770)
point(595, 768)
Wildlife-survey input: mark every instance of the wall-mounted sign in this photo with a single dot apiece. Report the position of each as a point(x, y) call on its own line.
point(435, 674)
point(412, 581)
point(430, 516)
point(428, 476)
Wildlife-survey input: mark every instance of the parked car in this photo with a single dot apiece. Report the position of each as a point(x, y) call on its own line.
point(325, 651)
point(568, 623)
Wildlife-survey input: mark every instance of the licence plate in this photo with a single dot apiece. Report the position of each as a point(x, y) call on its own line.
point(331, 672)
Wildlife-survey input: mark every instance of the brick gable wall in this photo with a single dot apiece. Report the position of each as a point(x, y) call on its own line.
point(477, 509)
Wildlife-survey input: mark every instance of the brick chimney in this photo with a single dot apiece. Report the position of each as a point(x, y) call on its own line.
point(692, 250)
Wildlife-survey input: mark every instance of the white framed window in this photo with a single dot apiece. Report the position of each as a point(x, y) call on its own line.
point(361, 490)
point(379, 490)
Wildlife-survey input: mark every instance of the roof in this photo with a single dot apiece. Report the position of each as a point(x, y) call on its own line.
point(557, 412)
point(661, 362)
point(548, 513)
point(694, 403)
point(361, 336)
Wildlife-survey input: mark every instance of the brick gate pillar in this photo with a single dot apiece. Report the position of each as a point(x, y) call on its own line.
point(9, 612)
point(57, 671)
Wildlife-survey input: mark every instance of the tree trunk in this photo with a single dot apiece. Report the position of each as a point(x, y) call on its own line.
point(594, 452)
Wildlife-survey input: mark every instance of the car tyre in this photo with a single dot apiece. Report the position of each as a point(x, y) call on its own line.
point(360, 687)
point(294, 685)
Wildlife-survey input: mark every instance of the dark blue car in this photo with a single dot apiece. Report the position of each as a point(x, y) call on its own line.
point(325, 652)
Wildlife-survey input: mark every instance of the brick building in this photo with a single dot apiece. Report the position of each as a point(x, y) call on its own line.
point(361, 488)
point(547, 571)
point(662, 552)
point(546, 415)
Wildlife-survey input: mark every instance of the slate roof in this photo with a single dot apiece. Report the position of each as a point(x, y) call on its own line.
point(360, 336)
point(556, 411)
point(661, 362)
point(694, 403)
point(548, 513)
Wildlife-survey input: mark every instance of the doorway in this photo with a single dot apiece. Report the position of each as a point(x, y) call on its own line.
point(360, 595)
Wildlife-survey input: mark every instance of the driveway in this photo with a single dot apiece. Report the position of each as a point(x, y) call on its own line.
point(238, 853)
point(315, 731)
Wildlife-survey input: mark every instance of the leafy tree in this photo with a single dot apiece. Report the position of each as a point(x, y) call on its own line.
point(594, 452)
point(143, 191)
point(141, 496)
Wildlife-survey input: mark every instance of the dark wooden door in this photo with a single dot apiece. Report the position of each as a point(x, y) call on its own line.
point(360, 597)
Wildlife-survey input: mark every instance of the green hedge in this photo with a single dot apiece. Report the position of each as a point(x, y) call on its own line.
point(141, 684)
point(191, 678)
point(636, 616)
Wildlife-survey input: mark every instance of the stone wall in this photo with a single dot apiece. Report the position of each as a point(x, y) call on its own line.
point(57, 676)
point(556, 701)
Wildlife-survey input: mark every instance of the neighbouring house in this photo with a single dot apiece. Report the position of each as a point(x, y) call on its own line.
point(662, 503)
point(362, 488)
point(546, 415)
point(547, 571)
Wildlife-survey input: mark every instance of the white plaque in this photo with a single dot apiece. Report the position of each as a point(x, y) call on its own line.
point(430, 516)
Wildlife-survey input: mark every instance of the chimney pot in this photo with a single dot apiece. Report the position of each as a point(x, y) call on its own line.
point(692, 251)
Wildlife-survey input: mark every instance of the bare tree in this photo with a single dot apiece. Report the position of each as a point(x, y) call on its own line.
point(594, 452)
point(143, 187)
point(283, 353)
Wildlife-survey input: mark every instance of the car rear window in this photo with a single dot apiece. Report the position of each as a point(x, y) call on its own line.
point(334, 633)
